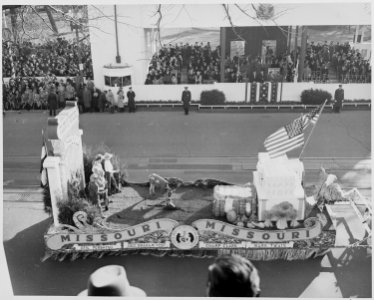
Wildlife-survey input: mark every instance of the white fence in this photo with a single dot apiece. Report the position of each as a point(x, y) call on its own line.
point(235, 92)
point(352, 91)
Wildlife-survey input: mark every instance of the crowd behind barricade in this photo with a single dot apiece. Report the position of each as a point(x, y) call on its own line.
point(31, 93)
point(346, 63)
point(199, 63)
point(59, 57)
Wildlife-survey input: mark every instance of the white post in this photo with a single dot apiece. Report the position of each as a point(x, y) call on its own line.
point(279, 87)
point(356, 34)
point(269, 91)
point(249, 85)
point(52, 164)
point(362, 33)
point(257, 91)
point(83, 179)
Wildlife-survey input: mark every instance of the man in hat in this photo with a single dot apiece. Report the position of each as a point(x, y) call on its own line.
point(52, 102)
point(131, 100)
point(339, 97)
point(186, 99)
point(93, 191)
point(109, 174)
point(111, 280)
point(97, 166)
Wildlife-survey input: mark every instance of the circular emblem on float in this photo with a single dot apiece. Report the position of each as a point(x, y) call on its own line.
point(184, 237)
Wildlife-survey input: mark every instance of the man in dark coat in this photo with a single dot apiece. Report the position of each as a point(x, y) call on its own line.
point(87, 99)
point(131, 100)
point(186, 99)
point(339, 97)
point(102, 101)
point(52, 102)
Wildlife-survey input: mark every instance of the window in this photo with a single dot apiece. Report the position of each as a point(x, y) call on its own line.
point(117, 81)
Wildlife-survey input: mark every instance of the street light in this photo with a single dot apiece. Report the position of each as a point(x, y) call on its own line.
point(77, 16)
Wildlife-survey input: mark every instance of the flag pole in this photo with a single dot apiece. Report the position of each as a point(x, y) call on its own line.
point(311, 132)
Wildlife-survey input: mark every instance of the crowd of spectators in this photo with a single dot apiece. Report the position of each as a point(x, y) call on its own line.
point(59, 57)
point(199, 63)
point(31, 93)
point(346, 63)
point(184, 63)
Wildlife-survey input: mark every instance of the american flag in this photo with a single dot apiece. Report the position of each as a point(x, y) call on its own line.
point(291, 136)
point(312, 117)
point(43, 171)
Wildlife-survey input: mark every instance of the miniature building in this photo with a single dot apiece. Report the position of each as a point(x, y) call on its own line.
point(279, 180)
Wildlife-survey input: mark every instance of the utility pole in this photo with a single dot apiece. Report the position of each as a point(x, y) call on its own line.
point(289, 38)
point(77, 16)
point(223, 53)
point(296, 36)
point(118, 57)
point(304, 34)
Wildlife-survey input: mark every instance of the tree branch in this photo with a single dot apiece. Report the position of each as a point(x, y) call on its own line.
point(248, 15)
point(23, 23)
point(68, 18)
point(226, 8)
point(158, 23)
point(107, 17)
point(34, 10)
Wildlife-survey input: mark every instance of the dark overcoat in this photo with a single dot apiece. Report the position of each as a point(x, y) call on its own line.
point(186, 98)
point(52, 100)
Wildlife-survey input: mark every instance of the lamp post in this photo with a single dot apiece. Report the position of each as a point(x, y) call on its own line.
point(118, 57)
point(77, 16)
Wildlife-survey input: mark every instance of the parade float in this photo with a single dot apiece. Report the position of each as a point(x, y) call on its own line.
point(273, 217)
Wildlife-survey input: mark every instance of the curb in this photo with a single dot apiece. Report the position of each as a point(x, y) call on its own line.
point(22, 195)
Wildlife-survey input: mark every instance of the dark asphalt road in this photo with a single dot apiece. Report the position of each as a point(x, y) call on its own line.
point(220, 145)
point(171, 143)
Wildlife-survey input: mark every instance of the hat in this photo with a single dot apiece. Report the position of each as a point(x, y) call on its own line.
point(99, 156)
point(111, 281)
point(107, 156)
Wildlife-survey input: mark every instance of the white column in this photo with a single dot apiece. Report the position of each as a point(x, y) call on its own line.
point(52, 164)
point(269, 91)
point(81, 168)
point(356, 34)
point(362, 33)
point(279, 91)
point(248, 92)
point(257, 91)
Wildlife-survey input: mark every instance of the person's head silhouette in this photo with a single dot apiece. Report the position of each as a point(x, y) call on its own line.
point(233, 276)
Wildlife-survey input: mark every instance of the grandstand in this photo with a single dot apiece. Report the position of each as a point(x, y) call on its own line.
point(196, 50)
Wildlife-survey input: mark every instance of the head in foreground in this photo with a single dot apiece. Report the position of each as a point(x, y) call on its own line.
point(233, 276)
point(111, 281)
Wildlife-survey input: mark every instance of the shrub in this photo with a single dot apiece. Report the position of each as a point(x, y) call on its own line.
point(213, 97)
point(315, 96)
point(76, 202)
point(71, 206)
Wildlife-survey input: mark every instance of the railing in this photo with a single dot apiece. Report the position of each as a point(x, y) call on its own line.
point(348, 78)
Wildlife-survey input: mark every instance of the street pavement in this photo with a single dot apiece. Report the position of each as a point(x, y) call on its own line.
point(202, 145)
